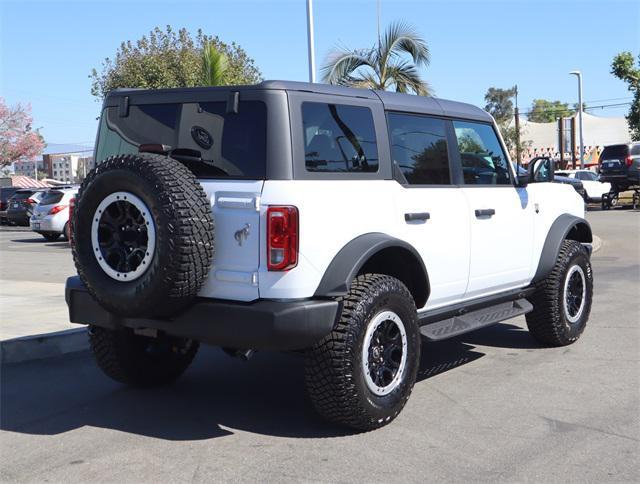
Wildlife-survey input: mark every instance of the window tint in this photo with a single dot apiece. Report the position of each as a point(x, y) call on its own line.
point(635, 149)
point(51, 197)
point(483, 161)
point(614, 152)
point(203, 136)
point(419, 148)
point(339, 138)
point(22, 195)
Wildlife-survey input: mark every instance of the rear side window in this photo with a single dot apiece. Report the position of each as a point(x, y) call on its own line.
point(339, 138)
point(22, 195)
point(419, 148)
point(635, 149)
point(483, 160)
point(204, 136)
point(615, 152)
point(51, 197)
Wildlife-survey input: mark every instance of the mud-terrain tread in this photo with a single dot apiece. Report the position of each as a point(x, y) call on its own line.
point(328, 367)
point(118, 359)
point(545, 322)
point(191, 233)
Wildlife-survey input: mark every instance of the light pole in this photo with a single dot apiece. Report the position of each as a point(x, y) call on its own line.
point(312, 56)
point(578, 74)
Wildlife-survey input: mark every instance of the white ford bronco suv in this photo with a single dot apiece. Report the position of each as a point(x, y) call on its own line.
point(348, 224)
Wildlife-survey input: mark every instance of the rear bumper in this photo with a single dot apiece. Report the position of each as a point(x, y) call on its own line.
point(18, 217)
point(262, 325)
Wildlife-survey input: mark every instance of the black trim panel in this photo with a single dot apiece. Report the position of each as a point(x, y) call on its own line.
point(263, 324)
point(559, 231)
point(436, 315)
point(349, 260)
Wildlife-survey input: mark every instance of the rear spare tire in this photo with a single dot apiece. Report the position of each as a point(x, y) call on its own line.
point(143, 235)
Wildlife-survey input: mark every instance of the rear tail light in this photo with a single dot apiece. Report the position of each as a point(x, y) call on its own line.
point(282, 238)
point(56, 209)
point(72, 206)
point(628, 161)
point(3, 205)
point(31, 201)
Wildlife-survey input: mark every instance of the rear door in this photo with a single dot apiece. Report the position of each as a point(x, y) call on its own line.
point(432, 211)
point(221, 136)
point(501, 215)
point(612, 160)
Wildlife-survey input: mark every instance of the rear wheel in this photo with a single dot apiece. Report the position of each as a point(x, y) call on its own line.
point(141, 360)
point(362, 373)
point(562, 301)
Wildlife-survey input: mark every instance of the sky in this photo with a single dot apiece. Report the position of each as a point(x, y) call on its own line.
point(47, 49)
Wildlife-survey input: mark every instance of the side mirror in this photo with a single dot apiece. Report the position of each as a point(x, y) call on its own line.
point(541, 169)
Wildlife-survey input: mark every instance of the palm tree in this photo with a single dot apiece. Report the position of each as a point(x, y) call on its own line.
point(214, 65)
point(383, 66)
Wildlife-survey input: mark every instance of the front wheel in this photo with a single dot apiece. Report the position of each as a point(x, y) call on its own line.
point(140, 360)
point(562, 301)
point(362, 373)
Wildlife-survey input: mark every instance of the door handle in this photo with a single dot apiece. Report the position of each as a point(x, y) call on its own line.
point(485, 212)
point(410, 217)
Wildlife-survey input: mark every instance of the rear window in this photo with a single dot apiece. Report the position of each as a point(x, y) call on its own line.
point(21, 195)
point(51, 197)
point(616, 152)
point(204, 136)
point(339, 138)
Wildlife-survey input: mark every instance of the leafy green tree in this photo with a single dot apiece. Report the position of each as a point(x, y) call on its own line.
point(500, 105)
point(169, 58)
point(624, 68)
point(384, 66)
point(543, 111)
point(214, 65)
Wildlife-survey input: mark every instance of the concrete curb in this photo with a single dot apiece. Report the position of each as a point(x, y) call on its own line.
point(40, 346)
point(71, 340)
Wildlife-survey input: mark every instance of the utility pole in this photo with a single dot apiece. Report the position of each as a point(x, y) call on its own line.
point(312, 55)
point(578, 74)
point(517, 115)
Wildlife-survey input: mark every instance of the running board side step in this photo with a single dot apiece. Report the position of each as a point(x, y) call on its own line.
point(481, 318)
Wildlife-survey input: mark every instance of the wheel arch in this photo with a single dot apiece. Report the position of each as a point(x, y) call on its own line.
point(565, 227)
point(376, 253)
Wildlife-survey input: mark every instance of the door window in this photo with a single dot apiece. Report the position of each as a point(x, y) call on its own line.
point(483, 160)
point(419, 148)
point(339, 138)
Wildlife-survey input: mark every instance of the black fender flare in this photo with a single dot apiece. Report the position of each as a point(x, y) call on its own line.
point(346, 264)
point(566, 226)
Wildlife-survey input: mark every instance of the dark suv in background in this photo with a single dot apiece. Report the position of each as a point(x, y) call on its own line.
point(5, 194)
point(21, 204)
point(620, 165)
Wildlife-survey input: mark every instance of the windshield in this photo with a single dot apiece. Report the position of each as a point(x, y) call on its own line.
point(204, 136)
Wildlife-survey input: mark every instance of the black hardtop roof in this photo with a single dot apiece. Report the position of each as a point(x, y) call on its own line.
point(391, 100)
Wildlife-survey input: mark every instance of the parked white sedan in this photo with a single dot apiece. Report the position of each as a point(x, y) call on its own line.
point(51, 217)
point(594, 188)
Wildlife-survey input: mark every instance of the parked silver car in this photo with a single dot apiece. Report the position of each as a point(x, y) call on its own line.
point(51, 217)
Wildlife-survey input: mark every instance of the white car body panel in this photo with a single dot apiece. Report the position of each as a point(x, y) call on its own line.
point(594, 188)
point(465, 257)
point(42, 221)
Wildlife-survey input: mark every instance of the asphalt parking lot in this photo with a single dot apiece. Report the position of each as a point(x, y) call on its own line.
point(488, 406)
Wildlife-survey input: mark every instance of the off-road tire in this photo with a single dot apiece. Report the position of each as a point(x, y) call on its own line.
point(548, 322)
point(51, 237)
point(334, 373)
point(140, 360)
point(184, 234)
